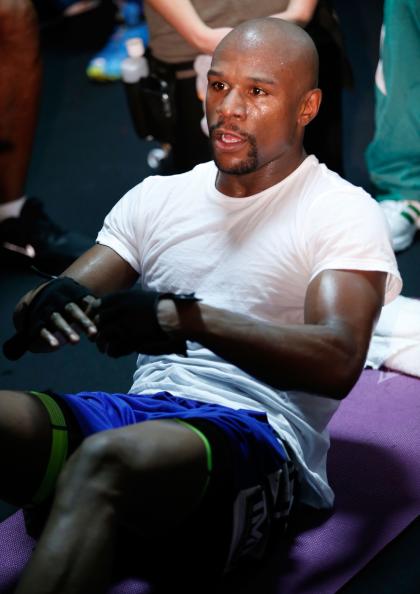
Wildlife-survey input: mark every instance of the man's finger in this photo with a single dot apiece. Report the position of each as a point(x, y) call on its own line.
point(64, 327)
point(91, 302)
point(82, 318)
point(49, 338)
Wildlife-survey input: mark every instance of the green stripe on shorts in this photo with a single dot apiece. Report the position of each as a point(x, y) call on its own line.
point(59, 447)
point(207, 447)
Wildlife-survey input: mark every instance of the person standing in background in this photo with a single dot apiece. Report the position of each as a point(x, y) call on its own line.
point(393, 156)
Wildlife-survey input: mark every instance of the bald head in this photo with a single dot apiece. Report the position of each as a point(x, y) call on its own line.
point(286, 42)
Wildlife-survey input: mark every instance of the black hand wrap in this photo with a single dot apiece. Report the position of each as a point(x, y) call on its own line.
point(33, 317)
point(127, 322)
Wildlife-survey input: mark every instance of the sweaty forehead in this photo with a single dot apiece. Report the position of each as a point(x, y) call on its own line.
point(235, 58)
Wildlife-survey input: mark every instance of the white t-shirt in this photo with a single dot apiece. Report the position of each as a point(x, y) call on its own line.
point(256, 256)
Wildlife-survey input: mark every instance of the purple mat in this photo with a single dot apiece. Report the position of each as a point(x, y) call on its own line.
point(374, 467)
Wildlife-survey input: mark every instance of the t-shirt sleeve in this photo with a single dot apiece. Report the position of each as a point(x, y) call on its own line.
point(122, 228)
point(348, 231)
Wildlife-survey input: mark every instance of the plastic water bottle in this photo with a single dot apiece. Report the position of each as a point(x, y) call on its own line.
point(135, 66)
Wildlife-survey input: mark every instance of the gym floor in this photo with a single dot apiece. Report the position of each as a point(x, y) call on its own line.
point(87, 155)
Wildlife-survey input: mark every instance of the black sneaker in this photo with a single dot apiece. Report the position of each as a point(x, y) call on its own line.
point(34, 239)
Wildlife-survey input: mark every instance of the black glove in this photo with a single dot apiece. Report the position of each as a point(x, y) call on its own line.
point(127, 322)
point(33, 317)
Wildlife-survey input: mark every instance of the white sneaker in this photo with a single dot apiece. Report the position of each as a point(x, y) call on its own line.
point(403, 218)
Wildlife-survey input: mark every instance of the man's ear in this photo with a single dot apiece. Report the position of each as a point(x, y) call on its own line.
point(309, 106)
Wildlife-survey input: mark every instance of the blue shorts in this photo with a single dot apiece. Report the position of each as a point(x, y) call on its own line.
point(251, 484)
point(247, 429)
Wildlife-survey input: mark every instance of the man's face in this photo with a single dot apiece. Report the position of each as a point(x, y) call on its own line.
point(252, 106)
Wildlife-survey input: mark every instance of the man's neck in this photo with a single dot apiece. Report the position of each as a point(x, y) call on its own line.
point(248, 184)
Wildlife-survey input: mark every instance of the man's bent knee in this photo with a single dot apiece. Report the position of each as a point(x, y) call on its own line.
point(94, 470)
point(159, 463)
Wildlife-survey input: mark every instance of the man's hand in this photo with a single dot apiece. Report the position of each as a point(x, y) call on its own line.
point(127, 322)
point(54, 314)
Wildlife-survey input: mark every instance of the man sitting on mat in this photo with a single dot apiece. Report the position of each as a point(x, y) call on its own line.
point(250, 287)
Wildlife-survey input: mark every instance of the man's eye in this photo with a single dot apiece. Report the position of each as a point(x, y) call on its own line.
point(218, 86)
point(257, 91)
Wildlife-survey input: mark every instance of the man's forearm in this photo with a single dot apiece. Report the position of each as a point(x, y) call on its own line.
point(315, 358)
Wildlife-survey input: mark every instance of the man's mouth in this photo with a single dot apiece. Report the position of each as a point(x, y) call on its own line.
point(227, 140)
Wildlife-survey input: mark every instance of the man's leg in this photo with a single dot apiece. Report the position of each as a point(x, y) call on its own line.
point(25, 441)
point(152, 472)
point(393, 154)
point(26, 231)
point(19, 93)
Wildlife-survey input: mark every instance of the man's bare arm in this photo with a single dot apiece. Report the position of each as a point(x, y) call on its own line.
point(325, 355)
point(102, 270)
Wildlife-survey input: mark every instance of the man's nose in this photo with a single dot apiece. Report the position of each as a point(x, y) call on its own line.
point(233, 104)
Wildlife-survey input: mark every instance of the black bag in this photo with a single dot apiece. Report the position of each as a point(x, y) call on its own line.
point(152, 106)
